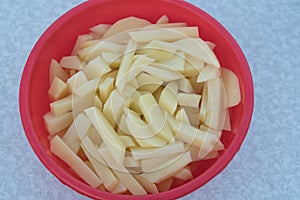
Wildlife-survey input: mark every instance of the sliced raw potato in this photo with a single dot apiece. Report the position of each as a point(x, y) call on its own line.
point(76, 132)
point(162, 74)
point(57, 71)
point(182, 116)
point(191, 135)
point(204, 102)
point(148, 82)
point(127, 92)
point(197, 87)
point(100, 29)
point(113, 59)
point(125, 24)
point(196, 47)
point(232, 87)
point(109, 136)
point(158, 50)
point(75, 81)
point(167, 25)
point(56, 124)
point(184, 85)
point(175, 63)
point(152, 164)
point(122, 173)
point(164, 34)
point(207, 73)
point(193, 115)
point(141, 60)
point(96, 68)
point(173, 87)
point(128, 141)
point(157, 93)
point(119, 189)
point(81, 39)
point(211, 45)
point(91, 42)
point(168, 171)
point(227, 124)
point(196, 156)
point(134, 100)
point(113, 108)
point(194, 62)
point(165, 185)
point(125, 65)
point(102, 170)
point(87, 88)
point(163, 20)
point(105, 88)
point(147, 185)
point(143, 153)
point(211, 130)
point(130, 162)
point(189, 100)
point(57, 90)
point(91, 52)
point(61, 150)
point(122, 125)
point(94, 136)
point(80, 104)
point(185, 174)
point(71, 62)
point(215, 116)
point(61, 106)
point(168, 101)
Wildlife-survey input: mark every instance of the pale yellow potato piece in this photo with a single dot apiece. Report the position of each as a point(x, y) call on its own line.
point(105, 88)
point(91, 52)
point(75, 81)
point(80, 104)
point(215, 116)
point(165, 185)
point(87, 88)
point(62, 106)
point(173, 87)
point(98, 103)
point(57, 71)
point(61, 150)
point(113, 108)
point(113, 59)
point(158, 50)
point(182, 116)
point(71, 62)
point(123, 126)
point(232, 87)
point(156, 94)
point(102, 170)
point(146, 153)
point(197, 87)
point(184, 85)
point(109, 136)
point(207, 73)
point(193, 115)
point(125, 65)
point(57, 90)
point(81, 39)
point(91, 42)
point(125, 24)
point(141, 60)
point(217, 133)
point(185, 174)
point(96, 68)
point(164, 75)
point(128, 141)
point(148, 82)
point(210, 44)
point(134, 102)
point(168, 171)
point(119, 189)
point(130, 162)
point(163, 20)
point(168, 101)
point(167, 25)
point(56, 124)
point(204, 103)
point(76, 132)
point(194, 62)
point(191, 135)
point(100, 29)
point(147, 185)
point(196, 156)
point(122, 173)
point(196, 47)
point(112, 74)
point(175, 63)
point(164, 34)
point(152, 164)
point(94, 136)
point(189, 100)
point(227, 124)
point(128, 91)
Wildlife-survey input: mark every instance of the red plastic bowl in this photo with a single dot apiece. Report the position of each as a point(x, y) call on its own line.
point(58, 41)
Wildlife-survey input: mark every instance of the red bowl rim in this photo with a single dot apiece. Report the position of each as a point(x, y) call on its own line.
point(171, 194)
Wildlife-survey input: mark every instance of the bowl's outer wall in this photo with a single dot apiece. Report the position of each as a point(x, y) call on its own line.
point(58, 41)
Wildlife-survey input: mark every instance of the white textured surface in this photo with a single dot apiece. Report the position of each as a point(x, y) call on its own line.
point(268, 164)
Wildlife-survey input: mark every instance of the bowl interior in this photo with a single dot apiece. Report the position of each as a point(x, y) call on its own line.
point(58, 41)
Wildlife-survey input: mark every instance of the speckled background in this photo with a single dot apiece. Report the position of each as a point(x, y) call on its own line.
point(268, 164)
